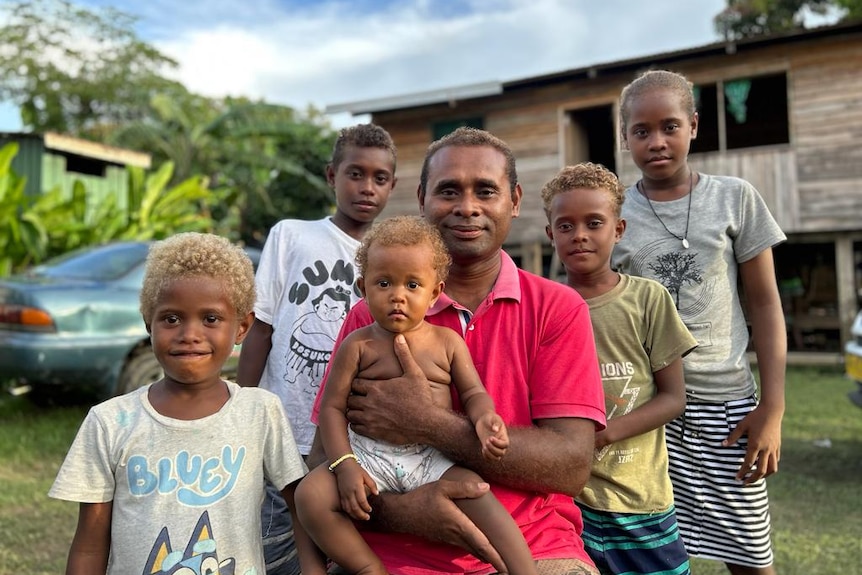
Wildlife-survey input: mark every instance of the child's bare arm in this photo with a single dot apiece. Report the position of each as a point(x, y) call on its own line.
point(254, 353)
point(493, 435)
point(92, 542)
point(332, 424)
point(476, 402)
point(668, 403)
point(763, 424)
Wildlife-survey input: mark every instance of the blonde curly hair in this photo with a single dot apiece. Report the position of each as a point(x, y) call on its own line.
point(193, 254)
point(406, 231)
point(584, 175)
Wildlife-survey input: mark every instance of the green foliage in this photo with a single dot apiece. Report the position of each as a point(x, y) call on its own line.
point(64, 84)
point(22, 234)
point(67, 224)
point(175, 130)
point(852, 8)
point(156, 211)
point(267, 160)
point(293, 186)
point(34, 229)
point(748, 18)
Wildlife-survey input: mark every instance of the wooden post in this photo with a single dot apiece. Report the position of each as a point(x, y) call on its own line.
point(846, 278)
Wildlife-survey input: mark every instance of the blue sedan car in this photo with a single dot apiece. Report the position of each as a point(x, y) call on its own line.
point(73, 324)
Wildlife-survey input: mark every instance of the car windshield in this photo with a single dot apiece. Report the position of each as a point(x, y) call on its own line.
point(98, 264)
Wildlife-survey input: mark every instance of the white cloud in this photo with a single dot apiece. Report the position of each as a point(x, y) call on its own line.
point(327, 53)
point(223, 61)
point(322, 52)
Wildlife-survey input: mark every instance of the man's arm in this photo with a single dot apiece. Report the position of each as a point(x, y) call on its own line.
point(553, 456)
point(254, 353)
point(429, 512)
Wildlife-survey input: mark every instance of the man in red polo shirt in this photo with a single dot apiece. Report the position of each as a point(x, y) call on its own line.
point(532, 343)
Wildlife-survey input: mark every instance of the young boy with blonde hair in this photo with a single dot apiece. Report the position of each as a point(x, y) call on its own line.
point(167, 474)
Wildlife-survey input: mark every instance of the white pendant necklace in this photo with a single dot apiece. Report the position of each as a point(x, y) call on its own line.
point(684, 236)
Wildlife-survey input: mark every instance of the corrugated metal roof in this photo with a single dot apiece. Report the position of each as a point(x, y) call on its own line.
point(122, 156)
point(453, 94)
point(86, 148)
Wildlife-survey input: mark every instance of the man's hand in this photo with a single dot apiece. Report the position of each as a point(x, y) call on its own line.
point(763, 429)
point(392, 409)
point(430, 512)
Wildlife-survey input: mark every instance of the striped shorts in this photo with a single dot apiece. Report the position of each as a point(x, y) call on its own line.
point(626, 543)
point(719, 517)
point(543, 567)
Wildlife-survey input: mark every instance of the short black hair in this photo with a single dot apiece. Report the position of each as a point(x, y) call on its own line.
point(470, 137)
point(362, 136)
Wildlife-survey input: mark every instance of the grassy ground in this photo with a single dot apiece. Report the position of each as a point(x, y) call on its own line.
point(816, 497)
point(35, 531)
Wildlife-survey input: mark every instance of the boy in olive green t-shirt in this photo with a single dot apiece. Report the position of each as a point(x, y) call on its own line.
point(627, 503)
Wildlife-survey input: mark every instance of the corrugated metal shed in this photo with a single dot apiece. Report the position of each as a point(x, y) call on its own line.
point(49, 160)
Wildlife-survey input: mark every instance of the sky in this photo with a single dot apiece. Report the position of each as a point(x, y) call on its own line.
point(328, 52)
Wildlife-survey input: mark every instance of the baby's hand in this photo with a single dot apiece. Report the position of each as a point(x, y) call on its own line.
point(354, 483)
point(493, 436)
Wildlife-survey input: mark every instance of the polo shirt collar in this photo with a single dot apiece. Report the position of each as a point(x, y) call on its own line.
point(507, 286)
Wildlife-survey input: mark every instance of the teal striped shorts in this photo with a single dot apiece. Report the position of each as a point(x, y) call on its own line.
point(647, 544)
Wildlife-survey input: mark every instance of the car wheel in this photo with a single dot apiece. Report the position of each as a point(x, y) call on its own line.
point(140, 370)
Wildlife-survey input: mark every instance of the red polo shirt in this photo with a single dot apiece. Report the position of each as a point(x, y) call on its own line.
point(532, 343)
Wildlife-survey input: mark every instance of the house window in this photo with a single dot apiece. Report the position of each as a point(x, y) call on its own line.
point(440, 129)
point(706, 104)
point(753, 113)
point(84, 165)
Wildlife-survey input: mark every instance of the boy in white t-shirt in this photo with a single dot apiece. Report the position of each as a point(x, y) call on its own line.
point(306, 283)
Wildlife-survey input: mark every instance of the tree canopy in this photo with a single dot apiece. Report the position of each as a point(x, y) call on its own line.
point(268, 159)
point(86, 72)
point(749, 18)
point(75, 70)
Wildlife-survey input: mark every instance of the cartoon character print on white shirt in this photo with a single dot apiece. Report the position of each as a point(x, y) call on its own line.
point(313, 337)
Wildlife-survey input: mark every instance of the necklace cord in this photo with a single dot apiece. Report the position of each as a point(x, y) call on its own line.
point(684, 237)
